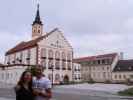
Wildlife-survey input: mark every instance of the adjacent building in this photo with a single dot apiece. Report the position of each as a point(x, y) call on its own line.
point(106, 68)
point(123, 72)
point(10, 74)
point(76, 72)
point(98, 68)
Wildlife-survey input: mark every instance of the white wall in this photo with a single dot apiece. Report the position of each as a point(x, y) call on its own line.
point(14, 56)
point(63, 46)
point(11, 75)
point(122, 76)
point(77, 72)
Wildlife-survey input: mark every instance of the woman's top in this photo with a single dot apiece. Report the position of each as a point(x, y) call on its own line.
point(24, 94)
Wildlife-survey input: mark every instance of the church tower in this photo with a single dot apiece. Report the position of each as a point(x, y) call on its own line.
point(37, 26)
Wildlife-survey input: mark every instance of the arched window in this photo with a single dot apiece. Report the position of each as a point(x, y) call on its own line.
point(43, 63)
point(50, 54)
point(69, 65)
point(50, 64)
point(50, 76)
point(63, 55)
point(69, 56)
point(63, 65)
point(38, 31)
point(57, 54)
point(43, 52)
point(57, 65)
point(57, 77)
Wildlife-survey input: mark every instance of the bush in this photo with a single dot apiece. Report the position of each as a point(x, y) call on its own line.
point(32, 69)
point(107, 82)
point(128, 82)
point(91, 81)
point(127, 92)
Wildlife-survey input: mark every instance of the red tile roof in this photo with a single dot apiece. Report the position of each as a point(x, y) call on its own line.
point(92, 58)
point(29, 44)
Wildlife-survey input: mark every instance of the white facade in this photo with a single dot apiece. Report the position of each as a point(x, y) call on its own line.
point(122, 76)
point(98, 68)
point(51, 52)
point(55, 52)
point(77, 72)
point(11, 75)
point(22, 57)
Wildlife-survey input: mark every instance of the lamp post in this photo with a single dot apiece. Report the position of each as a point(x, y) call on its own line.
point(52, 75)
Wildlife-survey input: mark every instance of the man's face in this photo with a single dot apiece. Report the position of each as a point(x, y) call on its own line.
point(39, 71)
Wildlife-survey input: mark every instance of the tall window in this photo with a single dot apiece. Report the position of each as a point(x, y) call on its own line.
point(57, 54)
point(50, 64)
point(104, 74)
point(69, 56)
point(50, 54)
point(43, 63)
point(21, 57)
point(57, 65)
point(63, 55)
point(8, 59)
point(124, 76)
point(69, 65)
point(115, 76)
point(50, 76)
point(119, 76)
point(14, 59)
point(57, 77)
point(98, 61)
point(28, 53)
point(28, 57)
point(63, 65)
point(43, 52)
point(103, 61)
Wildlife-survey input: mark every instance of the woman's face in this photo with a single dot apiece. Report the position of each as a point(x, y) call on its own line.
point(27, 77)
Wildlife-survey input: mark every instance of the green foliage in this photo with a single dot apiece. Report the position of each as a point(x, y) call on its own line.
point(107, 82)
point(127, 92)
point(128, 82)
point(91, 81)
point(32, 69)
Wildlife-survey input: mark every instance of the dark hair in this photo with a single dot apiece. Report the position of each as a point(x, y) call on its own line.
point(21, 80)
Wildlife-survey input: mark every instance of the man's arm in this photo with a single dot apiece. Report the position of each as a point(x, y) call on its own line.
point(47, 93)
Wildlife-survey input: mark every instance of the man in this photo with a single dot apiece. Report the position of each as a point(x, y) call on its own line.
point(41, 85)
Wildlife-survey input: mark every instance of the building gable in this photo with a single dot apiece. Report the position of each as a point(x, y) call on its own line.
point(56, 40)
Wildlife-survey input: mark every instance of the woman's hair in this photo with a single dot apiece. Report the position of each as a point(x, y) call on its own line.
point(21, 80)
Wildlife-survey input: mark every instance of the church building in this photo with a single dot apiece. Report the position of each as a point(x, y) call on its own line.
point(50, 50)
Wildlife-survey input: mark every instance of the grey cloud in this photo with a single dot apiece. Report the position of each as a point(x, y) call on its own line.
point(97, 22)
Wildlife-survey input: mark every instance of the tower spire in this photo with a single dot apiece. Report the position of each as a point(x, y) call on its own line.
point(37, 18)
point(37, 26)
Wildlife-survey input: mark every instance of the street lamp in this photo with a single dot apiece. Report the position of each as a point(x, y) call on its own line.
point(52, 75)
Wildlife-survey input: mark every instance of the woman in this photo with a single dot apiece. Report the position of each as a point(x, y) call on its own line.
point(24, 87)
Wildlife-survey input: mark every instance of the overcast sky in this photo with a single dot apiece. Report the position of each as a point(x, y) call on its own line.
point(91, 26)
